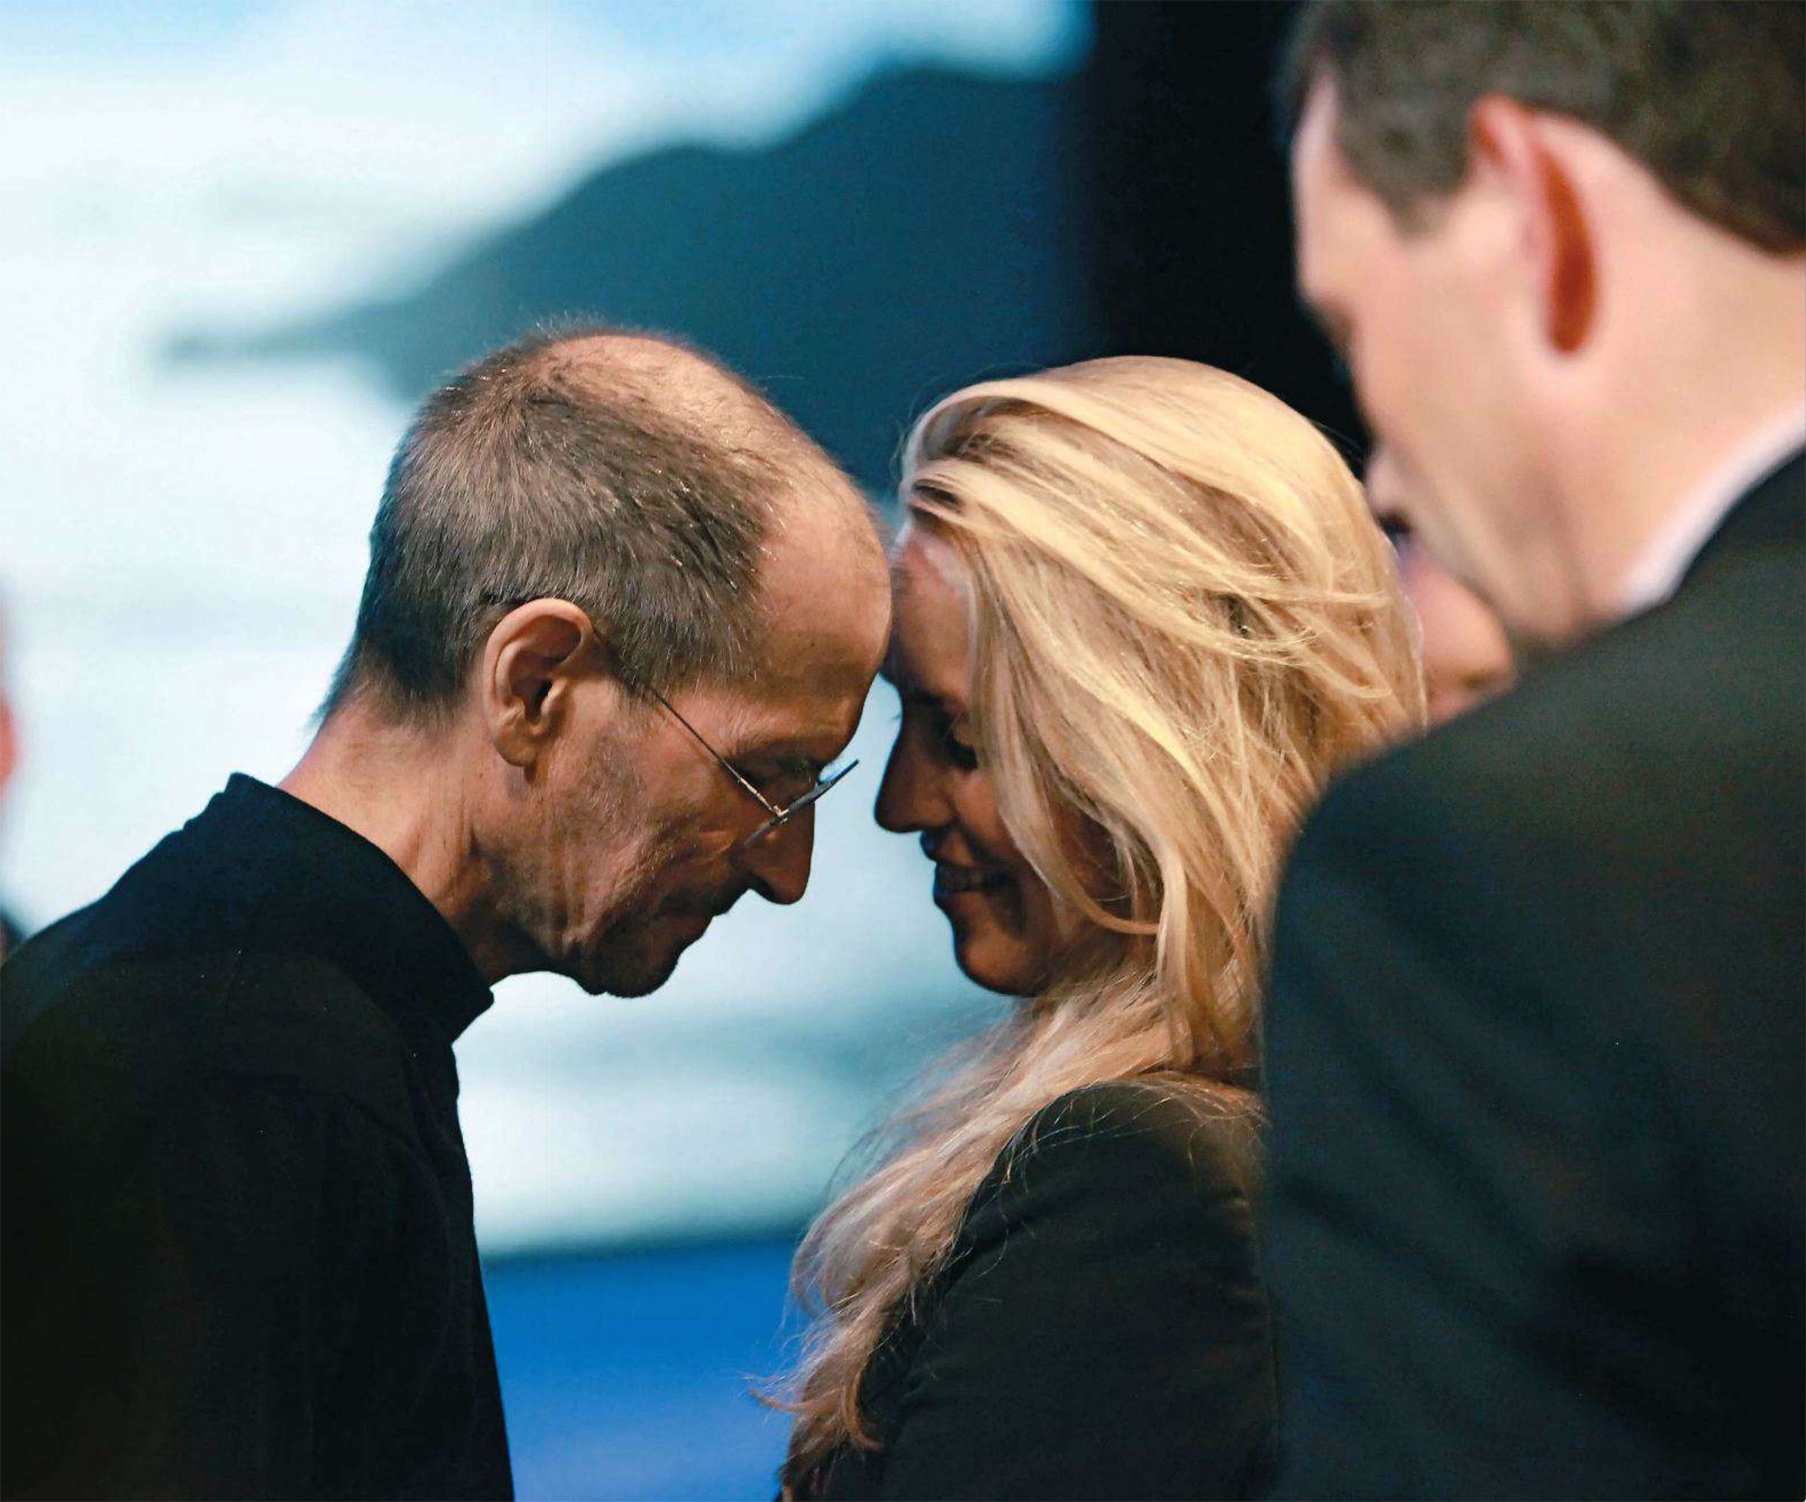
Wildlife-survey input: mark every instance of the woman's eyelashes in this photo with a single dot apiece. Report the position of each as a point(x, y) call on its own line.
point(955, 736)
point(949, 734)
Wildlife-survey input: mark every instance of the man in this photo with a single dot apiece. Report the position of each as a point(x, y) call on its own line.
point(620, 613)
point(1535, 1040)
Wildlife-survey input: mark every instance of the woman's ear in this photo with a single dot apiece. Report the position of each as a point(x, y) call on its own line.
point(530, 663)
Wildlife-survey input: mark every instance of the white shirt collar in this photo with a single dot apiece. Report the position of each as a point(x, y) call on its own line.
point(1656, 574)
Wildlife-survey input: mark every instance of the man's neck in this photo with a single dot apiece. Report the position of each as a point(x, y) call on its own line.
point(1658, 569)
point(1701, 426)
point(399, 788)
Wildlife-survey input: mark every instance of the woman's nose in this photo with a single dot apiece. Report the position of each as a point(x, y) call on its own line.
point(909, 798)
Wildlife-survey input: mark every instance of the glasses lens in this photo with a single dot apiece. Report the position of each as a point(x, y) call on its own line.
point(771, 826)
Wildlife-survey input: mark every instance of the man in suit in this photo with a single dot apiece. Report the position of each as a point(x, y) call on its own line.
point(594, 681)
point(1534, 1046)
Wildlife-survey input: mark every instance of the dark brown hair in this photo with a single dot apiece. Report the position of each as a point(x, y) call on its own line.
point(1706, 94)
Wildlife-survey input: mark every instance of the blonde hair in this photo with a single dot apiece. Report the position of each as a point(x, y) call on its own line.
point(1183, 620)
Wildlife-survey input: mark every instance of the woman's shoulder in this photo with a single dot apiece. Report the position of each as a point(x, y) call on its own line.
point(1139, 1143)
point(1214, 1129)
point(1110, 1244)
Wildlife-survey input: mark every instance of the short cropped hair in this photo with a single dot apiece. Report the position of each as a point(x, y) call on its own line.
point(1706, 94)
point(528, 477)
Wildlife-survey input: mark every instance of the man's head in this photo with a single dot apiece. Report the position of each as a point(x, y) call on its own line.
point(1559, 245)
point(594, 548)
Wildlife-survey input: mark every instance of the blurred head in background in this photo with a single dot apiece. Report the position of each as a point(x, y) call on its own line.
point(1142, 614)
point(594, 655)
point(1559, 246)
point(9, 739)
point(1466, 654)
point(9, 762)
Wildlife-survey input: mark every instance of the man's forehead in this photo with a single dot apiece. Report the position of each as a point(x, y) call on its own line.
point(823, 586)
point(1316, 171)
point(809, 718)
point(819, 651)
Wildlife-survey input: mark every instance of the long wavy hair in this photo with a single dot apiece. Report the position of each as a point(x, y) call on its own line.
point(1182, 622)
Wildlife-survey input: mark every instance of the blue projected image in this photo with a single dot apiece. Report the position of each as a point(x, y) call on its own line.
point(639, 1369)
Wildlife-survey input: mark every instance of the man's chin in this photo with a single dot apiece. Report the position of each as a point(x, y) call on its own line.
point(629, 983)
point(639, 964)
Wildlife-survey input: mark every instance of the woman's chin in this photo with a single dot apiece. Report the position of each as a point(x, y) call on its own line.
point(994, 961)
point(991, 936)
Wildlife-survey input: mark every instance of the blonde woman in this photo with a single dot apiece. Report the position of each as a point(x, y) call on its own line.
point(1141, 615)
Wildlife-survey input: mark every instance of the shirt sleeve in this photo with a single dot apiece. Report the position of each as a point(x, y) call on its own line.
point(1104, 1332)
point(196, 1317)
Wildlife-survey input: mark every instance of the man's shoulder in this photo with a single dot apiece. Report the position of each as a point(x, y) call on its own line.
point(1629, 825)
point(1691, 715)
point(102, 1011)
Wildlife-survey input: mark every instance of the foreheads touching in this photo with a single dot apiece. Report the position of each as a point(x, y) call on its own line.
point(623, 605)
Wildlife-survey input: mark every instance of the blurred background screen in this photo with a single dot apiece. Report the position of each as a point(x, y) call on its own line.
point(243, 239)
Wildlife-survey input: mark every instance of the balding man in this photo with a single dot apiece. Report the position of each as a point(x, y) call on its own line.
point(620, 616)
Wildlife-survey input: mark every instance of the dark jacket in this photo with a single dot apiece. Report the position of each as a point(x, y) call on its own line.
point(1534, 1060)
point(1099, 1329)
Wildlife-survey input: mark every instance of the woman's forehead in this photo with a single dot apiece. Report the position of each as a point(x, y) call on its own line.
point(929, 650)
point(922, 554)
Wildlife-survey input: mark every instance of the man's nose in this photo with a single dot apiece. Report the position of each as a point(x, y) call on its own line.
point(1385, 492)
point(778, 865)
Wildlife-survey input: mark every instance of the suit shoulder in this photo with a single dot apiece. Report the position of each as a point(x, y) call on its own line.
point(1692, 715)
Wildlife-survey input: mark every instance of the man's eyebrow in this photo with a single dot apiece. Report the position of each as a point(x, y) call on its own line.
point(799, 763)
point(793, 747)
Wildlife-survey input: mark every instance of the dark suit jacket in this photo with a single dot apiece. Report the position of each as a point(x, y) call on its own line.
point(1534, 1057)
point(1100, 1328)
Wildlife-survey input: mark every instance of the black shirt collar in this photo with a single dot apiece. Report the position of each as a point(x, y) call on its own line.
point(330, 889)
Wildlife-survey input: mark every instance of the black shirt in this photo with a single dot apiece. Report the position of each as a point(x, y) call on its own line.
point(239, 1254)
point(1099, 1328)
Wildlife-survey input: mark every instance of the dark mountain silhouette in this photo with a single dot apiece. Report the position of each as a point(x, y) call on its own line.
point(926, 232)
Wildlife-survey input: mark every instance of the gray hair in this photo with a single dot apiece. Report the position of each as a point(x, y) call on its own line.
point(543, 471)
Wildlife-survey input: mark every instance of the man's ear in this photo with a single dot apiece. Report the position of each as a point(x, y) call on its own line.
point(1523, 150)
point(530, 664)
